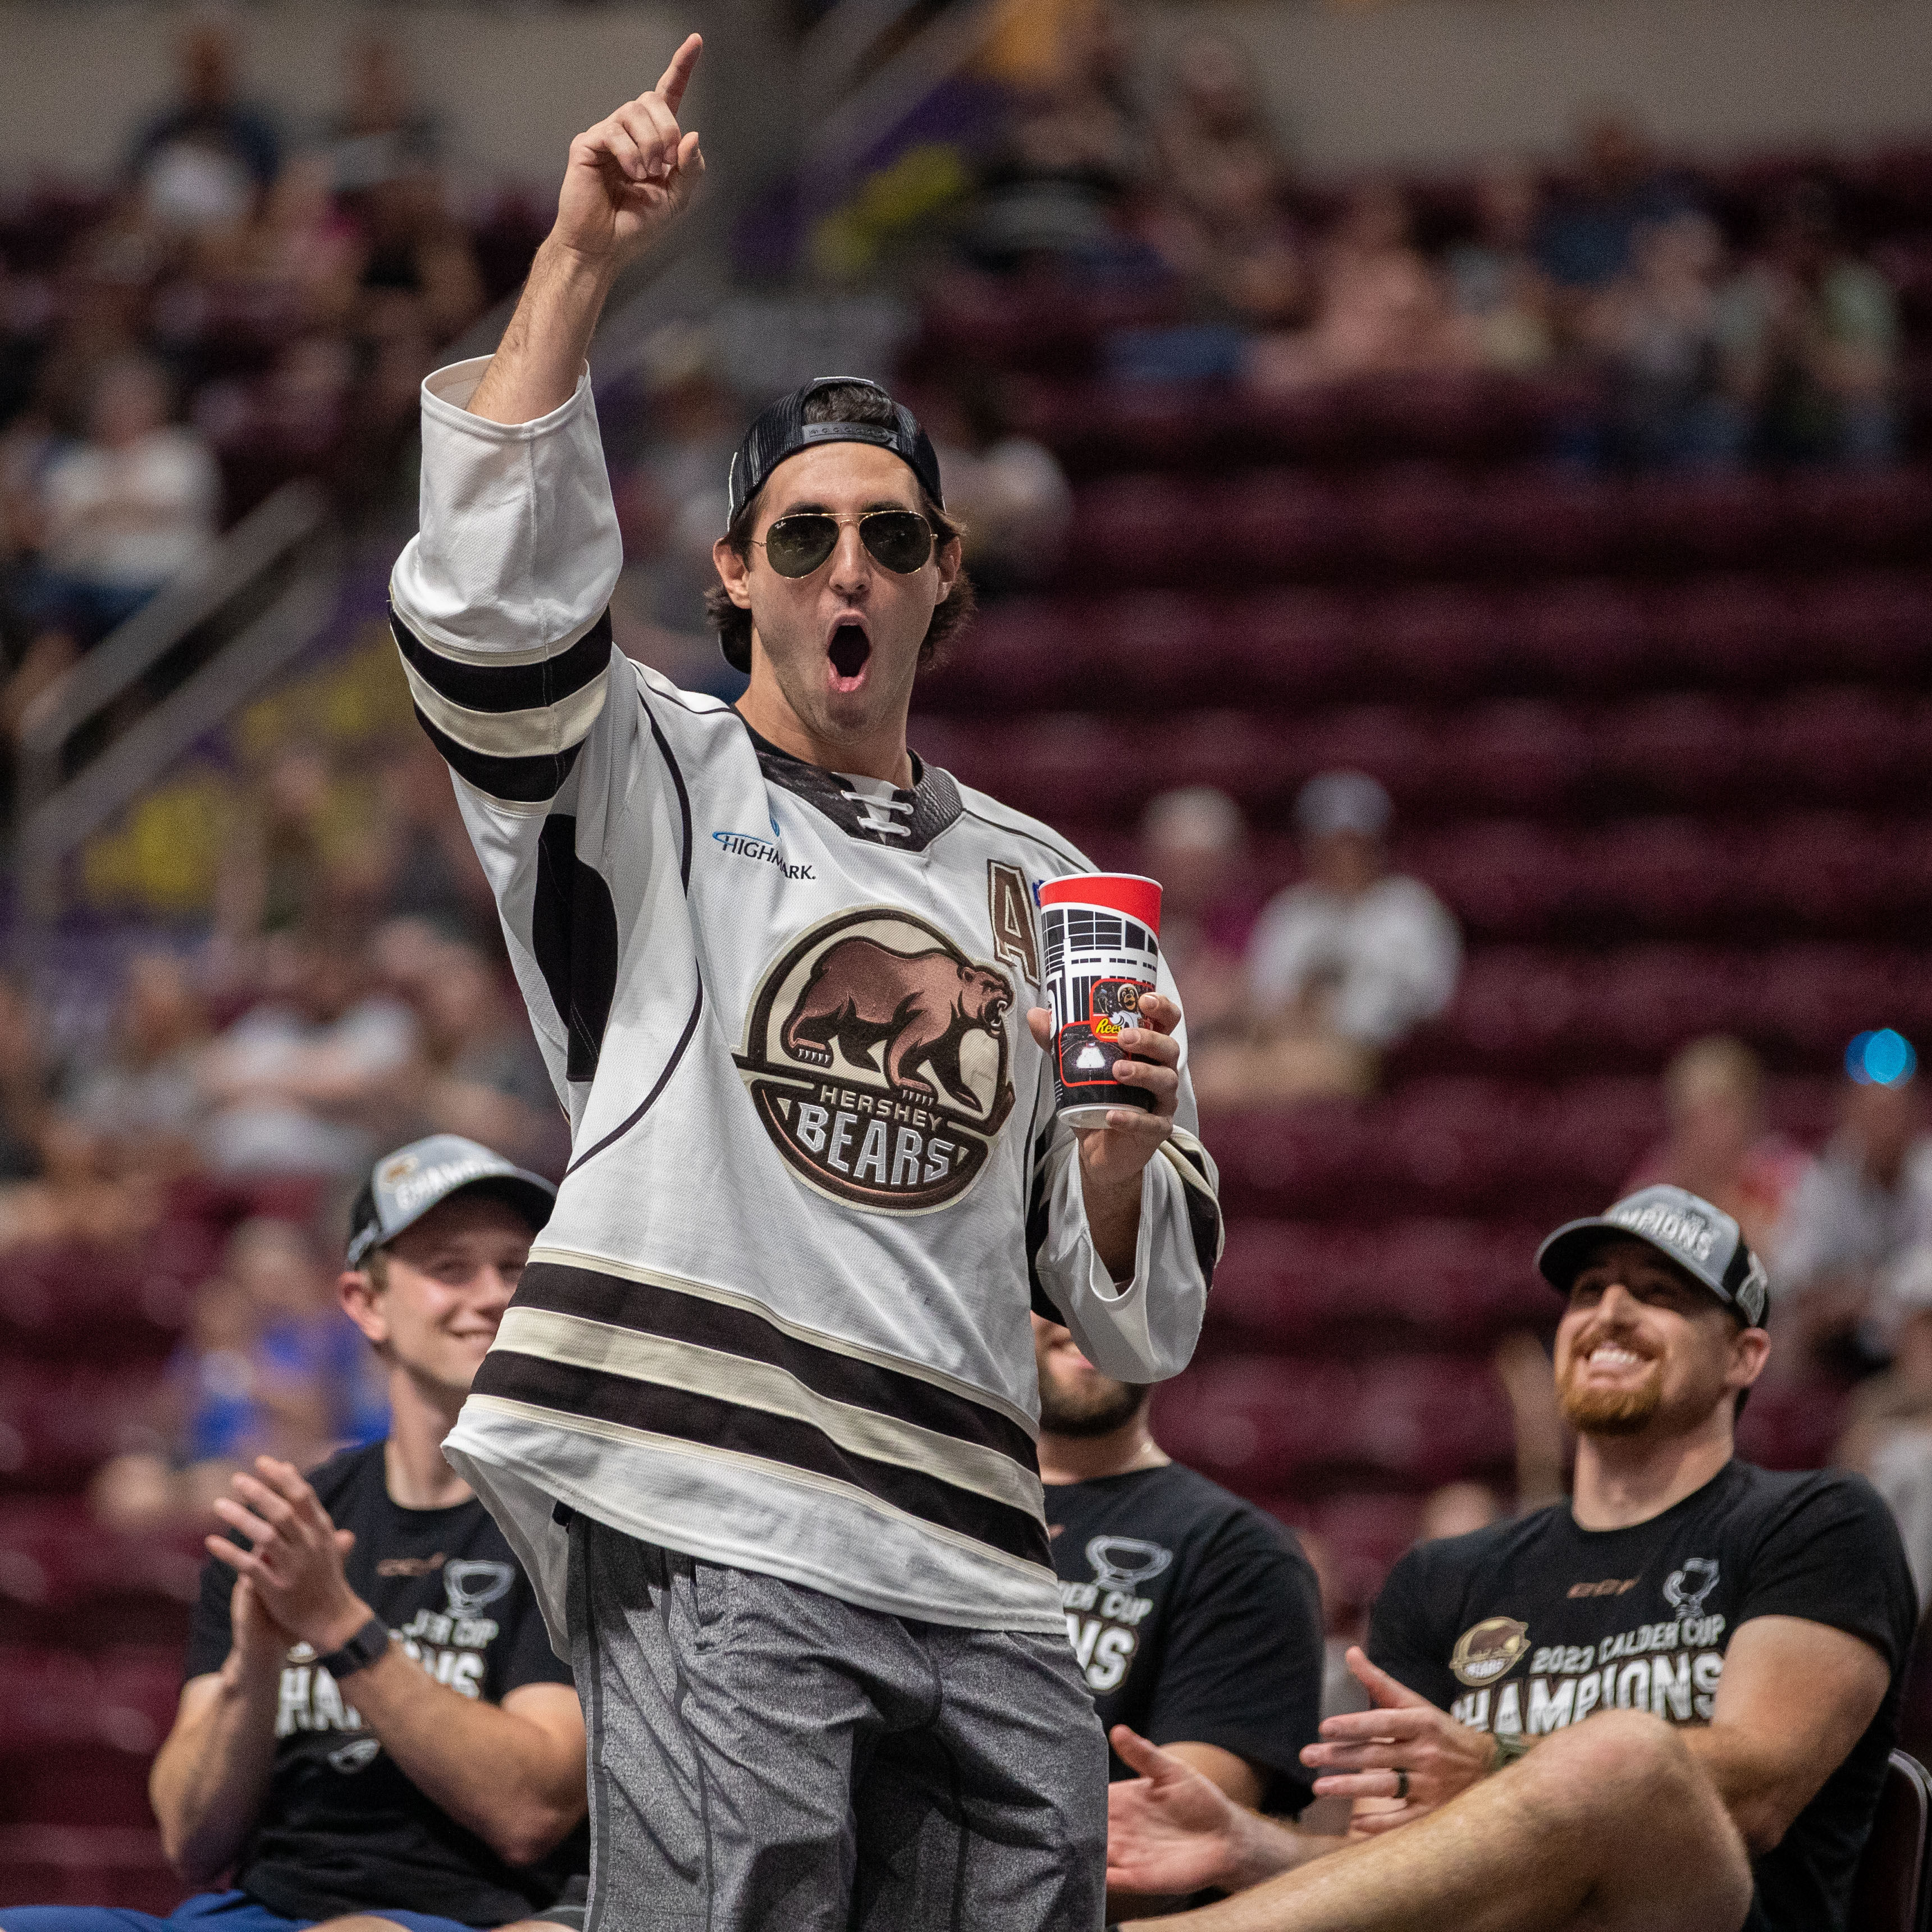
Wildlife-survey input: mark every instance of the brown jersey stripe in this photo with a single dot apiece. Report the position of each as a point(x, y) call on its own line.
point(653, 1310)
point(571, 1390)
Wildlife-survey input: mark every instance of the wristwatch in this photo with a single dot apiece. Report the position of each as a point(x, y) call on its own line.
point(359, 1652)
point(1509, 1746)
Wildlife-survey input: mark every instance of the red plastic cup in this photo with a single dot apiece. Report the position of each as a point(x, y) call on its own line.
point(1101, 935)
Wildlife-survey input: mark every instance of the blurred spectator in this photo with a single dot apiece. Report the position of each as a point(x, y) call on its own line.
point(1457, 1509)
point(486, 1080)
point(1077, 148)
point(114, 517)
point(1498, 287)
point(420, 865)
point(306, 1081)
point(1194, 842)
point(383, 130)
point(1811, 336)
point(200, 164)
point(302, 242)
point(25, 1082)
point(1854, 1220)
point(1344, 965)
point(671, 505)
point(1718, 1145)
point(1008, 490)
point(1380, 308)
point(307, 1343)
point(1585, 240)
point(281, 855)
point(230, 1394)
point(1217, 216)
point(142, 1091)
point(1657, 327)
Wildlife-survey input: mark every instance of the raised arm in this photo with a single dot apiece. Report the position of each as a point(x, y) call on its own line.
point(629, 178)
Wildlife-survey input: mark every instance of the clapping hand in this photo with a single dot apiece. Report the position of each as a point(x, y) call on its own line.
point(294, 1569)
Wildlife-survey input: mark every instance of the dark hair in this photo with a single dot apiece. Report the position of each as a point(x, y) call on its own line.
point(848, 402)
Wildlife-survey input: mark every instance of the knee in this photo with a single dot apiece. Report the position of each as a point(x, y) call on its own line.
point(1619, 1768)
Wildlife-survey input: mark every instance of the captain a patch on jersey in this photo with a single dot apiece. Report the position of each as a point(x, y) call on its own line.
point(876, 1054)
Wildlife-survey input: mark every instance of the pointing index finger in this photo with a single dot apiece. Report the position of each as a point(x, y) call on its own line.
point(676, 77)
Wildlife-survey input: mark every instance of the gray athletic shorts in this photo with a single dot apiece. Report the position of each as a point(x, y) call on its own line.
point(764, 1758)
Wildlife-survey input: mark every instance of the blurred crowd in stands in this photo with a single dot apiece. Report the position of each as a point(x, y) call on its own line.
point(248, 303)
point(353, 994)
point(1778, 343)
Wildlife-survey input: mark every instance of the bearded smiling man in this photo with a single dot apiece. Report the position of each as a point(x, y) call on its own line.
point(1765, 1618)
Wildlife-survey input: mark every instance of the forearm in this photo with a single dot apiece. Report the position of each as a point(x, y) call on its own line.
point(506, 1779)
point(538, 363)
point(1749, 1783)
point(1113, 1222)
point(211, 1774)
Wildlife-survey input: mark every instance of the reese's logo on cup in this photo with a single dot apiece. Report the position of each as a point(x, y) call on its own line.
point(1485, 1651)
point(876, 1054)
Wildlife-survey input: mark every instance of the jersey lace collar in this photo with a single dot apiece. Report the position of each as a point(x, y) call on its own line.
point(867, 809)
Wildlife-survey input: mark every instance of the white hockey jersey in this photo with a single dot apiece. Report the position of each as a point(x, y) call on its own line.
point(778, 1318)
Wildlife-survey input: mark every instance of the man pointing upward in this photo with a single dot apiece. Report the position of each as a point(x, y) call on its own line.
point(761, 1419)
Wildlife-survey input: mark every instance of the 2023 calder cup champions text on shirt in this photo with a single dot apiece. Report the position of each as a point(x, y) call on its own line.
point(779, 1317)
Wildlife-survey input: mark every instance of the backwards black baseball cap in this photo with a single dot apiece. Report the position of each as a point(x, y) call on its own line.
point(404, 1186)
point(1685, 1229)
point(781, 431)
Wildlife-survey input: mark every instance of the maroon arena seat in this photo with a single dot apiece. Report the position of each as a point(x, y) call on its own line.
point(63, 1576)
point(1675, 750)
point(1586, 635)
point(56, 1428)
point(1524, 756)
point(1288, 643)
point(1533, 520)
point(1276, 524)
point(1432, 639)
point(119, 1865)
point(1503, 878)
point(77, 1733)
point(1678, 877)
point(1417, 520)
point(1791, 1425)
point(1728, 632)
point(1837, 745)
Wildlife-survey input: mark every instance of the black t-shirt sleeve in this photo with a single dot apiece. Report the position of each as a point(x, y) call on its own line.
point(1832, 1555)
point(210, 1635)
point(1242, 1662)
point(1403, 1639)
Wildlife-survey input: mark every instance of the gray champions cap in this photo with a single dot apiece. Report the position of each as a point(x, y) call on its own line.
point(1683, 1228)
point(404, 1186)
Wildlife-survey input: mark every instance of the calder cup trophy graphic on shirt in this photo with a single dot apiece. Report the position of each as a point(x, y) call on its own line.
point(1101, 931)
point(876, 1054)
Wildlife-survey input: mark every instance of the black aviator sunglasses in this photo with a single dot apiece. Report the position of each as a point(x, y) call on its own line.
point(900, 541)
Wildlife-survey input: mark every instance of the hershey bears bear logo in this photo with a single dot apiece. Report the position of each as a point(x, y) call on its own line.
point(876, 1054)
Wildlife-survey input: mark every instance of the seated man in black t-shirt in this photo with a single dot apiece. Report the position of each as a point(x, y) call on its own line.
point(374, 1732)
point(1761, 1622)
point(1194, 1617)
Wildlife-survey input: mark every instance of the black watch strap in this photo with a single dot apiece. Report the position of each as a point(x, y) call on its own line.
point(359, 1652)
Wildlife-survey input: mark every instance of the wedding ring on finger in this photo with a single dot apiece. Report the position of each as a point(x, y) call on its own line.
point(1401, 1786)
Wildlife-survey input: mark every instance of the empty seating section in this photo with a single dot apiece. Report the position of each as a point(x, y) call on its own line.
point(1660, 744)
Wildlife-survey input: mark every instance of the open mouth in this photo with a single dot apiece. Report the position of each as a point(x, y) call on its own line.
point(850, 651)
